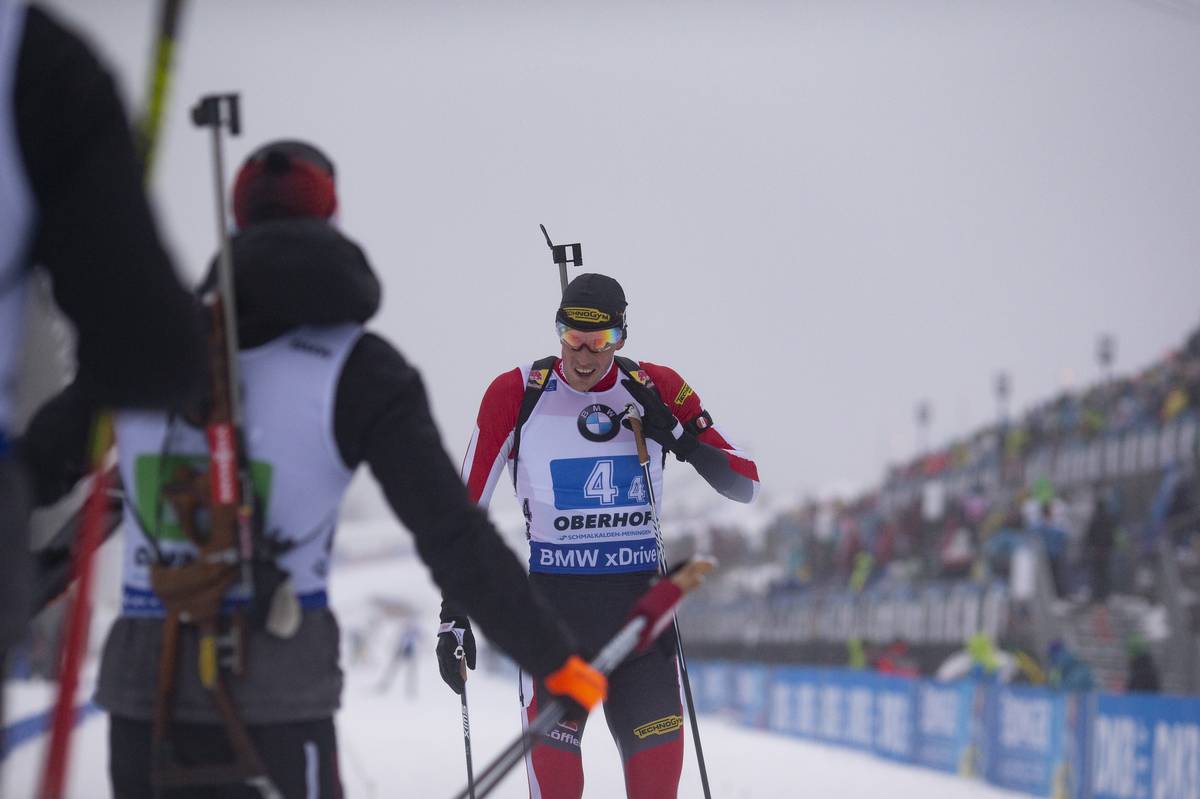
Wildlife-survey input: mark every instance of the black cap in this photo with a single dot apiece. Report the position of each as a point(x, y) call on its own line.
point(592, 302)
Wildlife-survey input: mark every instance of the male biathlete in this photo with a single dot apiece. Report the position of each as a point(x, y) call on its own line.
point(557, 424)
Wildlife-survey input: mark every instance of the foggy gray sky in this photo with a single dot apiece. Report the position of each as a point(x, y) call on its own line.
point(821, 211)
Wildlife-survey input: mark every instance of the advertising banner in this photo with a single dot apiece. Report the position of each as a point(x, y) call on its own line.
point(750, 691)
point(944, 714)
point(1041, 742)
point(1025, 744)
point(1146, 747)
point(712, 685)
point(895, 720)
point(857, 709)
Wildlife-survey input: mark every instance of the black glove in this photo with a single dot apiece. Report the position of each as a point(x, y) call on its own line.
point(659, 423)
point(453, 635)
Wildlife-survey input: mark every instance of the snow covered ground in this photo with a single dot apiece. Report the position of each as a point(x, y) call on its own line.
point(407, 741)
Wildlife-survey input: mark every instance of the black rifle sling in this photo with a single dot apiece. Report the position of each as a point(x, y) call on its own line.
point(629, 367)
point(539, 376)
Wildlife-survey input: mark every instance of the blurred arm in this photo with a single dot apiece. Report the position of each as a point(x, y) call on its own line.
point(383, 418)
point(140, 335)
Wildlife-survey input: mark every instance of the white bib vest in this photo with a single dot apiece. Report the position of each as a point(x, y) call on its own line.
point(580, 484)
point(16, 217)
point(289, 391)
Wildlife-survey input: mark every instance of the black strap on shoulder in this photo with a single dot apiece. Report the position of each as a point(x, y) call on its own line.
point(630, 366)
point(539, 376)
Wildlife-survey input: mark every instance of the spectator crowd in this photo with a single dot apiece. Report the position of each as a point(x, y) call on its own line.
point(1099, 483)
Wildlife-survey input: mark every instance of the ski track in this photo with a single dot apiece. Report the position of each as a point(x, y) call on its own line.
point(398, 745)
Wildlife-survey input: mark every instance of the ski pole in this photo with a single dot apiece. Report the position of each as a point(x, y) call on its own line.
point(169, 14)
point(54, 571)
point(639, 437)
point(639, 630)
point(78, 616)
point(466, 720)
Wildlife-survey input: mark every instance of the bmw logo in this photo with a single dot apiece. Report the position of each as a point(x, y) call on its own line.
point(599, 423)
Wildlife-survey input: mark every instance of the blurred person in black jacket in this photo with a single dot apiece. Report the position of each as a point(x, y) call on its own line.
point(71, 202)
point(322, 395)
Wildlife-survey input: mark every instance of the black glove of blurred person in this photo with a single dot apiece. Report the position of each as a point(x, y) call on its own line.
point(659, 423)
point(452, 635)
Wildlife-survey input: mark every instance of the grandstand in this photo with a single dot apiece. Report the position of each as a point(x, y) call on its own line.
point(1074, 526)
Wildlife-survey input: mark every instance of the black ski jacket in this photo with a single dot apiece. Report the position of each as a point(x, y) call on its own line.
point(304, 272)
point(140, 339)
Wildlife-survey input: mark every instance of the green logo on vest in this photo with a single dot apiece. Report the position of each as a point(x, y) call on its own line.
point(164, 483)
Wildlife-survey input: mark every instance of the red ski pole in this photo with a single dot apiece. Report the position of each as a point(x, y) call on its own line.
point(79, 614)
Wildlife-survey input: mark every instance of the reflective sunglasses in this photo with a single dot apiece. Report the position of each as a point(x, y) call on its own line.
point(596, 341)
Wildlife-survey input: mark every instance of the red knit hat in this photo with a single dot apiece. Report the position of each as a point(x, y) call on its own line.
point(284, 179)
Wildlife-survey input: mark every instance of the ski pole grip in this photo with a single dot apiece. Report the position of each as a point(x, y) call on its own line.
point(639, 435)
point(578, 681)
point(657, 606)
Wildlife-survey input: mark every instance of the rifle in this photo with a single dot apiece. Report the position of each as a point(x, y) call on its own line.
point(194, 592)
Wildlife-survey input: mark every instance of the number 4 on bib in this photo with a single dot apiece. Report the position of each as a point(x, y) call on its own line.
point(599, 484)
point(637, 489)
